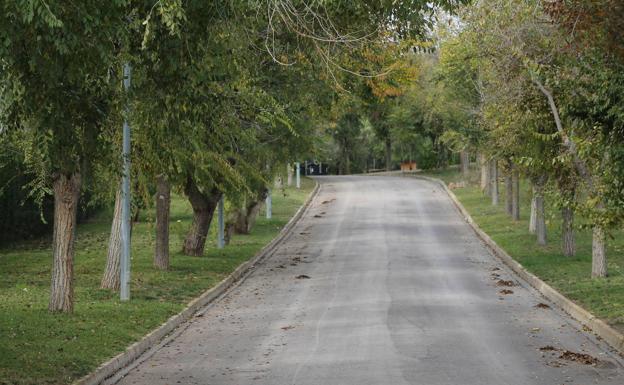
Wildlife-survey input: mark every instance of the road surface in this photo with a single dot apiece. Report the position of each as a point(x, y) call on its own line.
point(380, 283)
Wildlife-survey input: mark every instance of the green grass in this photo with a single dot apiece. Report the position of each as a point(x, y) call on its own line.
point(37, 347)
point(571, 276)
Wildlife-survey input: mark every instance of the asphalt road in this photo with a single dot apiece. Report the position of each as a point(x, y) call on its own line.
point(381, 283)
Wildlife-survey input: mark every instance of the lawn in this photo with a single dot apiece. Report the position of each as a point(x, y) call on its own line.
point(42, 348)
point(571, 276)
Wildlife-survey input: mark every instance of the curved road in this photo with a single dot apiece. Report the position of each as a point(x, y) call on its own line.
point(380, 283)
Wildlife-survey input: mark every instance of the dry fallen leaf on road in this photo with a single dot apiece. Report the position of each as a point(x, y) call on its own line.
point(502, 282)
point(581, 358)
point(302, 276)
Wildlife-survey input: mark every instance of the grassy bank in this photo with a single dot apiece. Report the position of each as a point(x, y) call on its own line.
point(571, 276)
point(42, 348)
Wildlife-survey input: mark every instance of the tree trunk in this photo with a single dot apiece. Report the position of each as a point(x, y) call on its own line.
point(485, 174)
point(494, 181)
point(254, 209)
point(540, 217)
point(278, 183)
point(509, 191)
point(203, 205)
point(238, 221)
point(229, 233)
point(242, 220)
point(441, 151)
point(136, 216)
point(252, 215)
point(110, 280)
point(515, 198)
point(599, 255)
point(163, 205)
point(388, 154)
point(533, 218)
point(464, 158)
point(567, 232)
point(289, 173)
point(66, 195)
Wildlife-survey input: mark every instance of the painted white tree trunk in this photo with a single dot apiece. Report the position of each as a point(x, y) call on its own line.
point(540, 218)
point(485, 174)
point(515, 203)
point(494, 181)
point(532, 219)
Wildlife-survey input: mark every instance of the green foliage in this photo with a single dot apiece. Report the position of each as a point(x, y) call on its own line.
point(429, 119)
point(236, 108)
point(524, 54)
point(57, 81)
point(22, 217)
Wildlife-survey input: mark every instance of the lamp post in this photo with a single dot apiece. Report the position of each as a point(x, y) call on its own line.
point(125, 192)
point(221, 223)
point(298, 173)
point(269, 205)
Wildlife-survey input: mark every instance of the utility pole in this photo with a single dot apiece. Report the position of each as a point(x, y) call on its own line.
point(125, 192)
point(298, 172)
point(221, 224)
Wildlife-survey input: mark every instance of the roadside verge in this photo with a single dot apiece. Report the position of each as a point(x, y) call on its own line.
point(134, 351)
point(600, 328)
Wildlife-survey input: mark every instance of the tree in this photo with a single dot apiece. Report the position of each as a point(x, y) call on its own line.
point(60, 66)
point(546, 65)
point(345, 134)
point(482, 65)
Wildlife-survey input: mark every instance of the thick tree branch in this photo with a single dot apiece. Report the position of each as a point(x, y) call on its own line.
point(569, 144)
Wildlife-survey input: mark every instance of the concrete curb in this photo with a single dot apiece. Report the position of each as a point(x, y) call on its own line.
point(134, 351)
point(600, 328)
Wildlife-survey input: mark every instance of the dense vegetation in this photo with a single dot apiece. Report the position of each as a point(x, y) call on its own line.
point(548, 105)
point(223, 94)
point(226, 95)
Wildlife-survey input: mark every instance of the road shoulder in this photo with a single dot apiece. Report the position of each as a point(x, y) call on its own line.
point(109, 371)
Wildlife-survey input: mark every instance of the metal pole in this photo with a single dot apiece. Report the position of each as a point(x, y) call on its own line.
point(298, 179)
point(221, 230)
point(125, 192)
point(269, 205)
